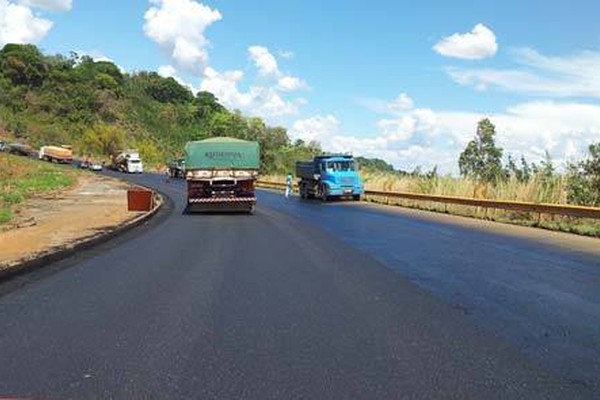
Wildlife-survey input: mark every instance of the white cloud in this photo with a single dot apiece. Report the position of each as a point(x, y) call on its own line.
point(288, 83)
point(18, 24)
point(52, 5)
point(426, 138)
point(261, 101)
point(265, 61)
point(225, 87)
point(319, 128)
point(326, 130)
point(568, 76)
point(265, 99)
point(478, 44)
point(167, 71)
point(267, 67)
point(178, 26)
point(402, 103)
point(266, 102)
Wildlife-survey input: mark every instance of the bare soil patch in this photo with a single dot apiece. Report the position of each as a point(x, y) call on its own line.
point(95, 204)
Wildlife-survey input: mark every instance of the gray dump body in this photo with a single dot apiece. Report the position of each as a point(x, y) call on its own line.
point(306, 170)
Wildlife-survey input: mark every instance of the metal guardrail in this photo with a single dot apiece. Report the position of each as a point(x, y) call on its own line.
point(540, 208)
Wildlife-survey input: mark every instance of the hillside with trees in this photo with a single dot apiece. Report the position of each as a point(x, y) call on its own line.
point(98, 109)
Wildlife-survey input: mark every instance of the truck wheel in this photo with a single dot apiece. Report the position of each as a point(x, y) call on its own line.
point(302, 191)
point(322, 193)
point(356, 197)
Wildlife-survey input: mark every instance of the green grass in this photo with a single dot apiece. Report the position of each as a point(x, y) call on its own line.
point(5, 215)
point(22, 179)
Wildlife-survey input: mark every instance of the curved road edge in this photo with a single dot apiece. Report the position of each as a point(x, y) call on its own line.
point(59, 253)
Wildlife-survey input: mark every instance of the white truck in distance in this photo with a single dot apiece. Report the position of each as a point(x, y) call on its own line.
point(128, 161)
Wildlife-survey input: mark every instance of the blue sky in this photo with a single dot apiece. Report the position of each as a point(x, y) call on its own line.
point(405, 81)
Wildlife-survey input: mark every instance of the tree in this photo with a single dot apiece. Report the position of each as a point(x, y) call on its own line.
point(103, 139)
point(23, 64)
point(163, 90)
point(584, 179)
point(482, 159)
point(206, 104)
point(521, 173)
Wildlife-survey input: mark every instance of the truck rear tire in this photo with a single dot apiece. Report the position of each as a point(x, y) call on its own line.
point(356, 197)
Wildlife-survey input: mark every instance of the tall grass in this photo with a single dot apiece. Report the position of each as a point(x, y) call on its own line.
point(539, 189)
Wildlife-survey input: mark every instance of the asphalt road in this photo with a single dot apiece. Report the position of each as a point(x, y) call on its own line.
point(306, 301)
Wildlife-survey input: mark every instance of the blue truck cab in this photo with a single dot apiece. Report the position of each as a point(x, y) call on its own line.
point(330, 176)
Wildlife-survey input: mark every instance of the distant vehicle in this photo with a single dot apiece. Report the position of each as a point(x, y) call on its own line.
point(177, 168)
point(20, 149)
point(128, 161)
point(84, 164)
point(220, 174)
point(59, 154)
point(328, 177)
point(3, 146)
point(95, 167)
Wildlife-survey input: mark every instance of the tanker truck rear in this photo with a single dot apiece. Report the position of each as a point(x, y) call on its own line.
point(220, 174)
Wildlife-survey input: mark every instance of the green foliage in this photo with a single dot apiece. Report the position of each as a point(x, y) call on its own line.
point(482, 159)
point(21, 178)
point(521, 173)
point(163, 90)
point(23, 64)
point(56, 99)
point(102, 139)
point(374, 164)
point(584, 179)
point(206, 104)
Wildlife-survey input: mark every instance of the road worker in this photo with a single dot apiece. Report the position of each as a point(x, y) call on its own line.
point(289, 184)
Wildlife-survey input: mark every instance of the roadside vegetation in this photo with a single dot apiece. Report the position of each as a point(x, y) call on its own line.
point(99, 110)
point(486, 173)
point(22, 179)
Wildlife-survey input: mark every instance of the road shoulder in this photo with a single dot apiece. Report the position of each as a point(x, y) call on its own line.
point(54, 226)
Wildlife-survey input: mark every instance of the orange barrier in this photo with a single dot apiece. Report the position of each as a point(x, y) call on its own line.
point(140, 200)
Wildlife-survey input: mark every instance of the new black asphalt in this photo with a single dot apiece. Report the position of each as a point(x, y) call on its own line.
point(303, 301)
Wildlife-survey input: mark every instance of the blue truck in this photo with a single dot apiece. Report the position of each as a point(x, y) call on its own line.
point(328, 177)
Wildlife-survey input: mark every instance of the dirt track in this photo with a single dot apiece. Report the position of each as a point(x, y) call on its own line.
point(95, 204)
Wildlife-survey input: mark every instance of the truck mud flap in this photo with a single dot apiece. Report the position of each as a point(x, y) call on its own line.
point(220, 205)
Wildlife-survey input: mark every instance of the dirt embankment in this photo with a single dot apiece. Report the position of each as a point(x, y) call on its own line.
point(53, 221)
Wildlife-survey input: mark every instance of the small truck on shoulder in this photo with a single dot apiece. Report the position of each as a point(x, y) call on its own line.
point(59, 154)
point(328, 177)
point(220, 174)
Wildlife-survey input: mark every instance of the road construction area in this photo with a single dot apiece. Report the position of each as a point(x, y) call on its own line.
point(49, 222)
point(308, 300)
